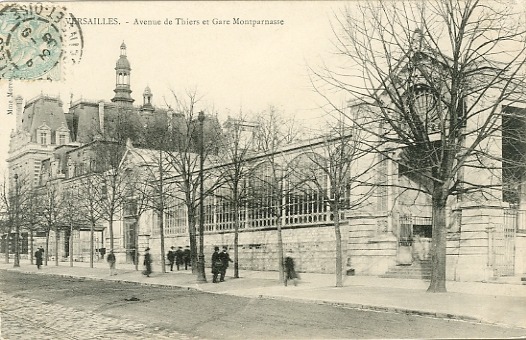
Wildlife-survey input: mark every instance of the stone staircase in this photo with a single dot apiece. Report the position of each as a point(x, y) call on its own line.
point(420, 269)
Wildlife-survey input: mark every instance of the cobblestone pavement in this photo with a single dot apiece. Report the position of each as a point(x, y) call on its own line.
point(29, 319)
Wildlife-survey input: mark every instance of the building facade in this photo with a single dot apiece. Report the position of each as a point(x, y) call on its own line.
point(388, 234)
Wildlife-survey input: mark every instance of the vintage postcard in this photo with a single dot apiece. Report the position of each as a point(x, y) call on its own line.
point(262, 170)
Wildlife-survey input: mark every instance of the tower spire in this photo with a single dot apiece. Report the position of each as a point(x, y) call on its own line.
point(122, 82)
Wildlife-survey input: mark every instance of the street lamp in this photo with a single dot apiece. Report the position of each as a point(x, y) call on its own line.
point(17, 226)
point(201, 276)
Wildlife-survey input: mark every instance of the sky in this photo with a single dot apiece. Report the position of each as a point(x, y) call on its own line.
point(232, 66)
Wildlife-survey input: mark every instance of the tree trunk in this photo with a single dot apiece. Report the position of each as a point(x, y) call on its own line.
point(338, 235)
point(136, 254)
point(56, 246)
point(91, 241)
point(47, 248)
point(193, 241)
point(71, 245)
point(236, 236)
point(111, 231)
point(31, 245)
point(161, 233)
point(6, 243)
point(280, 250)
point(438, 246)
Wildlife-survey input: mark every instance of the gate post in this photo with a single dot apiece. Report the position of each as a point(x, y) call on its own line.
point(491, 249)
point(475, 244)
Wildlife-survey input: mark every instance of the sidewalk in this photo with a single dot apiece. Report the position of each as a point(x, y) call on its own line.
point(493, 303)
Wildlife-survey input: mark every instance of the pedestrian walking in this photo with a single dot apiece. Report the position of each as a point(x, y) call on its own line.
point(225, 259)
point(147, 262)
point(171, 258)
point(111, 261)
point(187, 257)
point(38, 256)
point(102, 252)
point(290, 272)
point(179, 257)
point(217, 264)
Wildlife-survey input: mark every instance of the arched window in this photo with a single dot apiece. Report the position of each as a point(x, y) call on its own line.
point(307, 187)
point(264, 196)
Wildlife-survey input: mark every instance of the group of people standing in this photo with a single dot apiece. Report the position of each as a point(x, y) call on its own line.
point(220, 261)
point(179, 257)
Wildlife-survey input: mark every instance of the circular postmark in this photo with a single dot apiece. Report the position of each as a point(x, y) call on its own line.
point(35, 39)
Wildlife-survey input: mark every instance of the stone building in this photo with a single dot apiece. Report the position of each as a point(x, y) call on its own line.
point(389, 234)
point(49, 141)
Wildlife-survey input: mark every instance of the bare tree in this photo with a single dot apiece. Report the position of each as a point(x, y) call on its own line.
point(150, 190)
point(107, 171)
point(70, 217)
point(30, 219)
point(8, 214)
point(270, 177)
point(183, 159)
point(15, 195)
point(86, 189)
point(431, 78)
point(141, 196)
point(235, 168)
point(50, 210)
point(338, 172)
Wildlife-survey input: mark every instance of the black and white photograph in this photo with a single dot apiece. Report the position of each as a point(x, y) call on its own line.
point(263, 170)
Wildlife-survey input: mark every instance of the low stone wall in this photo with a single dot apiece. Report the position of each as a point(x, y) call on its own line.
point(371, 250)
point(313, 247)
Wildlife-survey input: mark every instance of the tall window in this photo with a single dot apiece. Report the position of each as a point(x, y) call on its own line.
point(304, 203)
point(62, 139)
point(175, 220)
point(43, 137)
point(264, 193)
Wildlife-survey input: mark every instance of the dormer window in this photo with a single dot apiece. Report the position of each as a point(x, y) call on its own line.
point(43, 134)
point(43, 138)
point(63, 135)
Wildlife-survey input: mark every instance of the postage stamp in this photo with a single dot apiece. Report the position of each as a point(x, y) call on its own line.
point(36, 42)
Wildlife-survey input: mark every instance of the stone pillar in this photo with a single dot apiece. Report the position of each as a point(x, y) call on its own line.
point(475, 253)
point(62, 245)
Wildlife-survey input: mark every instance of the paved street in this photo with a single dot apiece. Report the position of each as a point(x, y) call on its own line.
point(53, 307)
point(24, 318)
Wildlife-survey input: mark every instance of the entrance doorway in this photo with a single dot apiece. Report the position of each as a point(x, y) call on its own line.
point(414, 239)
point(130, 239)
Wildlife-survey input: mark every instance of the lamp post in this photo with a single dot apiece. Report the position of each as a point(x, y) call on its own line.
point(17, 226)
point(201, 276)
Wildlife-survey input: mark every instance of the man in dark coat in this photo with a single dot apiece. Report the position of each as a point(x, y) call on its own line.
point(179, 257)
point(171, 258)
point(111, 261)
point(290, 271)
point(187, 256)
point(147, 262)
point(217, 264)
point(225, 259)
point(38, 255)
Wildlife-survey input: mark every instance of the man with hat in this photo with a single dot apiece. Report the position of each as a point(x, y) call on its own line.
point(147, 262)
point(171, 258)
point(225, 259)
point(217, 264)
point(111, 260)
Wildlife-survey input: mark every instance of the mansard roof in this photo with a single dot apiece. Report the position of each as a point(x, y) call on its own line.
point(42, 110)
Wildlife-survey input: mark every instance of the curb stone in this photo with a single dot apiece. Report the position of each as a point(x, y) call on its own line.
point(381, 309)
